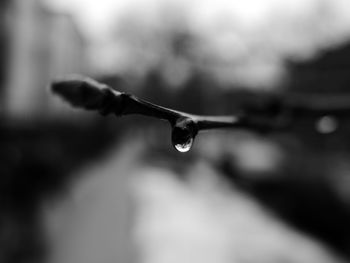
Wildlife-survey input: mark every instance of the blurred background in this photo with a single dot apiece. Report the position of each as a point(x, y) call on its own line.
point(79, 187)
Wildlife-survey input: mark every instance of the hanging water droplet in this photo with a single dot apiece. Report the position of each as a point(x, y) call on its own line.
point(184, 147)
point(183, 134)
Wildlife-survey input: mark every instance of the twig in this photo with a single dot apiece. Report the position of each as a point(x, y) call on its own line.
point(278, 115)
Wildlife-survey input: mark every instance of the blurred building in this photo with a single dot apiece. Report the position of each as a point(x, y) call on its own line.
point(329, 72)
point(44, 44)
point(3, 40)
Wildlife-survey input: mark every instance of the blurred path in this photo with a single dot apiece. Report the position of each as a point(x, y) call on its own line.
point(204, 221)
point(121, 210)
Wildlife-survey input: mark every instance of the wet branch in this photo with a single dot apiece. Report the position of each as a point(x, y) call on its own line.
point(277, 115)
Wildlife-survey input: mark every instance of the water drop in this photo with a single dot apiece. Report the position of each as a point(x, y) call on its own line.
point(183, 134)
point(184, 147)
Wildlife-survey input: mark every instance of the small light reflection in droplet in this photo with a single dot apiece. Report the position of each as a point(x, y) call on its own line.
point(327, 124)
point(184, 147)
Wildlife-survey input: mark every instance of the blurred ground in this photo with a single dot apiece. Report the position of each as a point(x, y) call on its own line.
point(197, 220)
